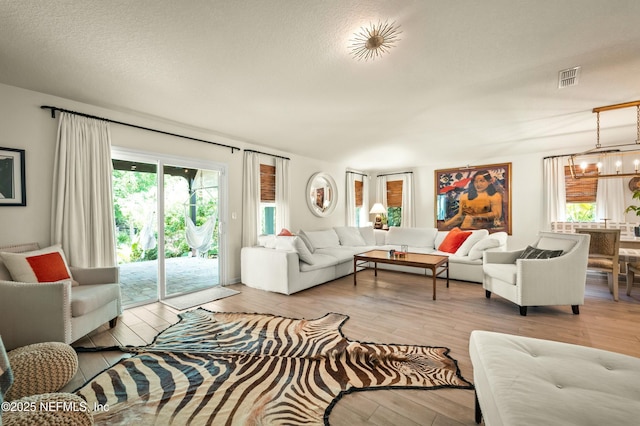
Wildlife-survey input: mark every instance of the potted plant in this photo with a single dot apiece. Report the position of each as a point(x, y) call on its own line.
point(636, 210)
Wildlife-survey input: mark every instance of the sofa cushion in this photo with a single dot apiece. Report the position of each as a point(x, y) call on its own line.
point(548, 243)
point(341, 254)
point(368, 235)
point(415, 237)
point(475, 236)
point(88, 298)
point(482, 245)
point(44, 265)
point(303, 251)
point(285, 233)
point(454, 239)
point(350, 236)
point(506, 272)
point(319, 261)
point(322, 239)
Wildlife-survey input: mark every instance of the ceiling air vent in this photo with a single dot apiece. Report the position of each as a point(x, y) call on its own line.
point(568, 77)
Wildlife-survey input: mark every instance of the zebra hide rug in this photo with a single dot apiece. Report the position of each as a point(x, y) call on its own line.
point(255, 369)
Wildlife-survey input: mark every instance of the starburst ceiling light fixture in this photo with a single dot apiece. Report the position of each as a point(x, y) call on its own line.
point(372, 41)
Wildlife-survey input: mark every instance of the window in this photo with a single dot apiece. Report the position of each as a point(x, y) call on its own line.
point(581, 195)
point(267, 199)
point(394, 202)
point(359, 198)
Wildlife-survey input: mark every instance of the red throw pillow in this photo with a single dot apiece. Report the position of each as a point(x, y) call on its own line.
point(49, 267)
point(454, 239)
point(285, 233)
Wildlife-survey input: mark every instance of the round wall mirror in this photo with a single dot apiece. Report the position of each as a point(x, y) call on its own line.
point(322, 194)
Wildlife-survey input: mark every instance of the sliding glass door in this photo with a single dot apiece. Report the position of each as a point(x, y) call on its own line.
point(168, 226)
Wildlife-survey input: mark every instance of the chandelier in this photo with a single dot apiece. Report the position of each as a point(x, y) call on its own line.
point(582, 170)
point(372, 41)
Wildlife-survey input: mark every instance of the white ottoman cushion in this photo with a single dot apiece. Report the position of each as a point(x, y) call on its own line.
point(525, 381)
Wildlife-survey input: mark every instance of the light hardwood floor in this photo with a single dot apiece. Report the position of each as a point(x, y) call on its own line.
point(397, 308)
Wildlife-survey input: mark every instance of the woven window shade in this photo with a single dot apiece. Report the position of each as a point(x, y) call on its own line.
point(267, 183)
point(358, 193)
point(394, 193)
point(581, 190)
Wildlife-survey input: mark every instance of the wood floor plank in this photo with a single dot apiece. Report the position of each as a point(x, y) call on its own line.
point(397, 308)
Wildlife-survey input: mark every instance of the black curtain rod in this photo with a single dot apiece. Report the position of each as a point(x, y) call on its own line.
point(583, 153)
point(53, 115)
point(358, 173)
point(264, 153)
point(396, 173)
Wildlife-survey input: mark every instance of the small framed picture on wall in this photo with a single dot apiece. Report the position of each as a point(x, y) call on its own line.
point(13, 190)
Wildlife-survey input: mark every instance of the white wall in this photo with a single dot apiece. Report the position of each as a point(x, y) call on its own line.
point(23, 125)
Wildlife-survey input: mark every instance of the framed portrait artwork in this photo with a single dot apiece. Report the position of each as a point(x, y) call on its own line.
point(12, 177)
point(476, 197)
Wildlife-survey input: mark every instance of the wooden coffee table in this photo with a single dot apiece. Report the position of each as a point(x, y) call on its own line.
point(437, 264)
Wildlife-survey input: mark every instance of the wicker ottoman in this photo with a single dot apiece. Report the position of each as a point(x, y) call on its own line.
point(525, 381)
point(41, 368)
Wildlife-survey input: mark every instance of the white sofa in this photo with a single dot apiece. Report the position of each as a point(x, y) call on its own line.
point(291, 264)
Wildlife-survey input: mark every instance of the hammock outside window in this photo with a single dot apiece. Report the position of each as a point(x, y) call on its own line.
point(199, 237)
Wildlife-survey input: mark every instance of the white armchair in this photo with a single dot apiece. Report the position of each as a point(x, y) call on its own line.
point(540, 282)
point(56, 312)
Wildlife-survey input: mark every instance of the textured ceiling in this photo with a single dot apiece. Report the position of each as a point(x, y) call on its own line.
point(468, 81)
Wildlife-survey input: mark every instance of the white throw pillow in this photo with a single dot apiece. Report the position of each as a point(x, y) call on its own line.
point(475, 236)
point(285, 243)
point(323, 239)
point(482, 245)
point(303, 251)
point(349, 236)
point(268, 241)
point(44, 265)
point(305, 239)
point(368, 235)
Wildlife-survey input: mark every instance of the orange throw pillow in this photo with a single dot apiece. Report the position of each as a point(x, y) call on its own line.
point(285, 233)
point(49, 267)
point(454, 239)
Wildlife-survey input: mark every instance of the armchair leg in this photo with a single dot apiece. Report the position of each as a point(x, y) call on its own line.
point(478, 409)
point(575, 309)
point(113, 322)
point(487, 294)
point(523, 311)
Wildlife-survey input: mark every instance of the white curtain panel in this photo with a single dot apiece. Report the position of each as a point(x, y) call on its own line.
point(364, 211)
point(381, 190)
point(351, 199)
point(408, 212)
point(610, 193)
point(555, 197)
point(250, 199)
point(82, 218)
point(282, 193)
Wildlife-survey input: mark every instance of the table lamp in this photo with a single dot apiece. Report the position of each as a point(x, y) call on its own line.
point(378, 209)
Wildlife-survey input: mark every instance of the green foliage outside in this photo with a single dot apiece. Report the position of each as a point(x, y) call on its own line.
point(581, 212)
point(394, 217)
point(135, 203)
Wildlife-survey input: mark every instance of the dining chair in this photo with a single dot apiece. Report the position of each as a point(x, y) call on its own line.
point(632, 269)
point(604, 252)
